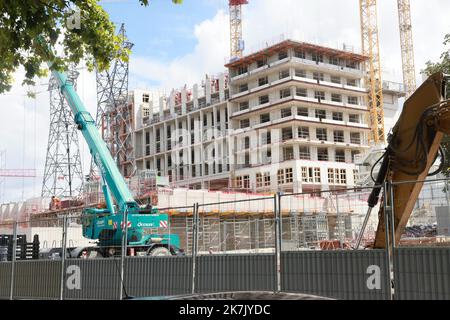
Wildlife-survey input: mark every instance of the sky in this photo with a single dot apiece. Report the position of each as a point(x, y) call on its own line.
point(176, 45)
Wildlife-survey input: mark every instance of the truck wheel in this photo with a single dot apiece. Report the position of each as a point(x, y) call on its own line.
point(159, 252)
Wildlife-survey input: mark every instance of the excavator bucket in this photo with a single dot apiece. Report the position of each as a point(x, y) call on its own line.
point(404, 144)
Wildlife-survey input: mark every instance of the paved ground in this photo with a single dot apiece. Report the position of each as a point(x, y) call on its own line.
point(260, 295)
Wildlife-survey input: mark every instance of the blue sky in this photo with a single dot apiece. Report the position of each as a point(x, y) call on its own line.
point(162, 30)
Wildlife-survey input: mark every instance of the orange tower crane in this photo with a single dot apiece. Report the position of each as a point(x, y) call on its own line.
point(373, 81)
point(406, 41)
point(236, 42)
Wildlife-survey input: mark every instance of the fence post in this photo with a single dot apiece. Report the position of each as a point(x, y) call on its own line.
point(13, 260)
point(277, 214)
point(123, 252)
point(387, 249)
point(392, 222)
point(63, 256)
point(194, 245)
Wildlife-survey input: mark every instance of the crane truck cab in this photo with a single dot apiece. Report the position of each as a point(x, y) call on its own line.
point(143, 234)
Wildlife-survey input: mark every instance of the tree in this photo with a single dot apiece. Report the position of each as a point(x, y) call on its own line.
point(81, 28)
point(442, 66)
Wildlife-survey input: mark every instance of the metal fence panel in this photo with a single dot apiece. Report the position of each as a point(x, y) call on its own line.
point(334, 274)
point(5, 279)
point(222, 273)
point(158, 276)
point(37, 279)
point(422, 273)
point(98, 279)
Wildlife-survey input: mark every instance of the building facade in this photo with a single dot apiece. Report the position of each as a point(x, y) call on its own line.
point(291, 117)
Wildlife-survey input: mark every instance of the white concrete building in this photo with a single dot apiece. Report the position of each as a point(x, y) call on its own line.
point(291, 117)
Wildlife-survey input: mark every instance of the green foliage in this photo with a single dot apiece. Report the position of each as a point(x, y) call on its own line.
point(442, 66)
point(22, 21)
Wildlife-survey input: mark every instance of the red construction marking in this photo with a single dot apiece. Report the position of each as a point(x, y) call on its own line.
point(128, 224)
point(163, 224)
point(115, 225)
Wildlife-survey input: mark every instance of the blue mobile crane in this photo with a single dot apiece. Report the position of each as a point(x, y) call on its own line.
point(106, 226)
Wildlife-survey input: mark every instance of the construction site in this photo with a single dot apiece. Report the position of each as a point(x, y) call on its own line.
point(273, 172)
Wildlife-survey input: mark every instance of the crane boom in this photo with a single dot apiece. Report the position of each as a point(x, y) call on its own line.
point(406, 42)
point(373, 81)
point(236, 42)
point(97, 147)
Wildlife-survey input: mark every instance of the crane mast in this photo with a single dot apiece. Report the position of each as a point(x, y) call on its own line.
point(373, 81)
point(407, 48)
point(236, 42)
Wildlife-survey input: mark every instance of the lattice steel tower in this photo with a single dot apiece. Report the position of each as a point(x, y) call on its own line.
point(406, 41)
point(114, 112)
point(374, 83)
point(63, 175)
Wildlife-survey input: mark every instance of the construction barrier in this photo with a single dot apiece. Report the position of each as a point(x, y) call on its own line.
point(348, 275)
point(422, 273)
point(227, 273)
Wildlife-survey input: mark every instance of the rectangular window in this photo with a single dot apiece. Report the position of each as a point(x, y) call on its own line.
point(145, 98)
point(331, 176)
point(288, 153)
point(282, 55)
point(243, 87)
point(284, 74)
point(338, 136)
point(243, 105)
point(336, 79)
point(319, 95)
point(286, 134)
point(261, 63)
point(334, 61)
point(322, 154)
point(305, 175)
point(264, 117)
point(317, 175)
point(321, 134)
point(242, 70)
point(285, 93)
point(301, 111)
point(263, 81)
point(353, 100)
point(351, 64)
point(259, 180)
point(303, 132)
point(300, 73)
point(267, 179)
point(305, 154)
point(245, 123)
point(280, 175)
point(300, 54)
point(354, 118)
point(263, 99)
point(239, 182)
point(321, 114)
point(286, 112)
point(336, 97)
point(340, 155)
point(301, 92)
point(317, 57)
point(355, 137)
point(338, 116)
point(147, 138)
point(246, 182)
point(342, 176)
point(351, 82)
point(288, 175)
point(318, 76)
point(246, 142)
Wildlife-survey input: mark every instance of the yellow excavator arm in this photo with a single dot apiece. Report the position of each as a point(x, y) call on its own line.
point(413, 148)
